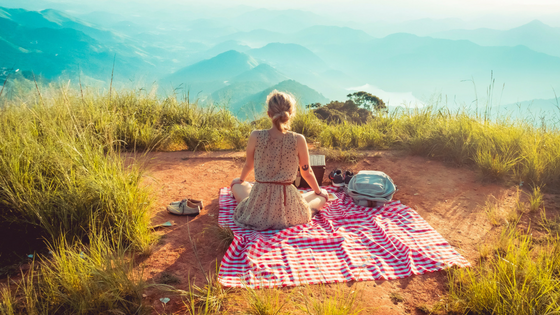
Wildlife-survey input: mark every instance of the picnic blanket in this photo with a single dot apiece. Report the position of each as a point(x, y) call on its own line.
point(344, 242)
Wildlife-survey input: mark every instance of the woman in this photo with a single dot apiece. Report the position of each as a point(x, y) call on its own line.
point(274, 154)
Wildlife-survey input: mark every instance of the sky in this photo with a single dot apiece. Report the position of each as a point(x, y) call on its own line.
point(501, 14)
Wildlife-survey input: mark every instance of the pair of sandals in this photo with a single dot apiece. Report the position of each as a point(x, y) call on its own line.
point(185, 207)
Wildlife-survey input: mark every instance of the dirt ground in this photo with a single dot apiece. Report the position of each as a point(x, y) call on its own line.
point(450, 199)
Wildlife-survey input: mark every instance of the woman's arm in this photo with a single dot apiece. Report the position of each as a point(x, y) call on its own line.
point(249, 160)
point(305, 168)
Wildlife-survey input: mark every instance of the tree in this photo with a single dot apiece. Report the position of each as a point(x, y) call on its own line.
point(367, 101)
point(338, 112)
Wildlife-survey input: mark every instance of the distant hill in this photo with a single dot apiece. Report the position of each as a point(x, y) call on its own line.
point(535, 35)
point(316, 35)
point(56, 20)
point(237, 91)
point(531, 109)
point(212, 74)
point(52, 44)
point(424, 65)
point(321, 34)
point(282, 21)
point(288, 56)
point(248, 83)
point(216, 50)
point(262, 73)
point(253, 105)
point(258, 37)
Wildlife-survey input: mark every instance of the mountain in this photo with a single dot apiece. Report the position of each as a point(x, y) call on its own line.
point(248, 83)
point(254, 105)
point(289, 56)
point(535, 35)
point(52, 43)
point(54, 52)
point(258, 37)
point(318, 35)
point(262, 73)
point(426, 66)
point(216, 50)
point(212, 74)
point(56, 20)
point(531, 109)
point(282, 21)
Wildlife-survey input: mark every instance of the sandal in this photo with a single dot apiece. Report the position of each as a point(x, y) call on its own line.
point(184, 207)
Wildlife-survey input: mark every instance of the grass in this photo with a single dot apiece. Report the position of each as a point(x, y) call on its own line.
point(79, 279)
point(521, 278)
point(63, 181)
point(223, 235)
point(535, 199)
point(396, 297)
point(322, 301)
point(207, 299)
point(264, 301)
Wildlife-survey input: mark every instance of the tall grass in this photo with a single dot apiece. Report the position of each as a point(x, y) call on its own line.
point(519, 278)
point(63, 176)
point(501, 148)
point(78, 279)
point(57, 174)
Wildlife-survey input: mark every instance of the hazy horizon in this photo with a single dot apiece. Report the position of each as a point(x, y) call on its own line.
point(404, 51)
point(499, 14)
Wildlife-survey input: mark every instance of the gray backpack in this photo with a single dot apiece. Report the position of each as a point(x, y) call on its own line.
point(371, 188)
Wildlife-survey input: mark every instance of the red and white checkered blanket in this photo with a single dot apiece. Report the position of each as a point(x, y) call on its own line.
point(344, 242)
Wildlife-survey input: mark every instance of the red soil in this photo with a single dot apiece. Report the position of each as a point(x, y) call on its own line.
point(450, 199)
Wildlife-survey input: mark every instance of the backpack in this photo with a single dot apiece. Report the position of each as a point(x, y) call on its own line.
point(371, 188)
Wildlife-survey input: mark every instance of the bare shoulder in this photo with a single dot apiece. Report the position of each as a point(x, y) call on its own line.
point(300, 138)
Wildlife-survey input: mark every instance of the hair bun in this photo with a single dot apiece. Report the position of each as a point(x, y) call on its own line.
point(284, 116)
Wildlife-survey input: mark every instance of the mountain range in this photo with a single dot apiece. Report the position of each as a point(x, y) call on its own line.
point(234, 58)
point(535, 35)
point(52, 44)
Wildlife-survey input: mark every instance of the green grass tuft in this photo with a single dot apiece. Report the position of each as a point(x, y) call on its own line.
point(521, 278)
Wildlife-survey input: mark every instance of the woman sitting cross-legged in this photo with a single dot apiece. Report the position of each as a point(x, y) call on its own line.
point(274, 154)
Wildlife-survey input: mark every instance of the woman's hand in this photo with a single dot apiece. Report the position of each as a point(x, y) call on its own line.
point(323, 193)
point(236, 181)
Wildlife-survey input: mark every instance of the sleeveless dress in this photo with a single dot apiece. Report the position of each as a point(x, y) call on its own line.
point(273, 204)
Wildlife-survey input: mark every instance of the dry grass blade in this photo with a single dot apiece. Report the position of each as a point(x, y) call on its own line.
point(264, 301)
point(338, 301)
point(223, 235)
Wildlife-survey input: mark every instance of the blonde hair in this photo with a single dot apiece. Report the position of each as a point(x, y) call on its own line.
point(282, 108)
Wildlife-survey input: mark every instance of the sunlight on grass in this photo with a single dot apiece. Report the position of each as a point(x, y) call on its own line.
point(63, 173)
point(79, 279)
point(522, 278)
point(319, 300)
point(264, 301)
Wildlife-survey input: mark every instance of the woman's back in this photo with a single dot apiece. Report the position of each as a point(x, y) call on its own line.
point(276, 159)
point(274, 203)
